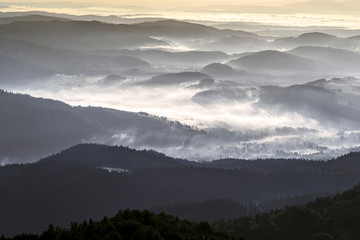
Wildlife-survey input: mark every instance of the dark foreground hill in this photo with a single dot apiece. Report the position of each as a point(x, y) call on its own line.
point(326, 219)
point(73, 185)
point(135, 225)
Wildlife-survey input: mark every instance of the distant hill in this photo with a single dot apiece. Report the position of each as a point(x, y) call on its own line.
point(94, 35)
point(160, 57)
point(274, 61)
point(13, 71)
point(228, 95)
point(78, 35)
point(65, 61)
point(177, 78)
point(313, 101)
point(179, 29)
point(338, 60)
point(218, 70)
point(317, 39)
point(236, 44)
point(26, 18)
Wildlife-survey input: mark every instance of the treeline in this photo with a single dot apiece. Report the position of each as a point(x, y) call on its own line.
point(229, 209)
point(70, 186)
point(123, 157)
point(131, 225)
point(329, 218)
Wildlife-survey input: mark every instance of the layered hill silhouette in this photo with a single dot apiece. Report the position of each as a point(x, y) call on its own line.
point(276, 61)
point(78, 35)
point(60, 61)
point(311, 100)
point(89, 181)
point(30, 18)
point(86, 35)
point(178, 29)
point(168, 58)
point(14, 71)
point(236, 44)
point(317, 39)
point(177, 78)
point(337, 59)
point(132, 224)
point(35, 127)
point(326, 218)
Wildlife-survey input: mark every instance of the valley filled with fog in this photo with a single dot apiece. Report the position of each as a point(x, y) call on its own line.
point(188, 90)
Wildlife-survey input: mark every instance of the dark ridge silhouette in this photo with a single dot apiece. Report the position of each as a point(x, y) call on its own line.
point(117, 157)
point(132, 224)
point(228, 209)
point(346, 162)
point(326, 218)
point(68, 187)
point(97, 155)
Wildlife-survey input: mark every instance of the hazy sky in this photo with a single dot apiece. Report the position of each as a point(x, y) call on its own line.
point(174, 3)
point(169, 2)
point(335, 13)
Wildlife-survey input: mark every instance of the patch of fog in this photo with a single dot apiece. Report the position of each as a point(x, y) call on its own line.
point(118, 170)
point(173, 46)
point(5, 161)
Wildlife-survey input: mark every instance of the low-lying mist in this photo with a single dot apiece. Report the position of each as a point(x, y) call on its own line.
point(316, 120)
point(195, 91)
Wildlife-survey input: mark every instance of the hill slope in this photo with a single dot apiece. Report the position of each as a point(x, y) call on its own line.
point(51, 126)
point(326, 218)
point(74, 182)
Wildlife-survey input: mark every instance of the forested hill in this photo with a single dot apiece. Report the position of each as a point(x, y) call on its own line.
point(324, 219)
point(71, 186)
point(98, 155)
point(330, 218)
point(136, 225)
point(117, 157)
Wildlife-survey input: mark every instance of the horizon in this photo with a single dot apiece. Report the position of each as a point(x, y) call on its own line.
point(291, 13)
